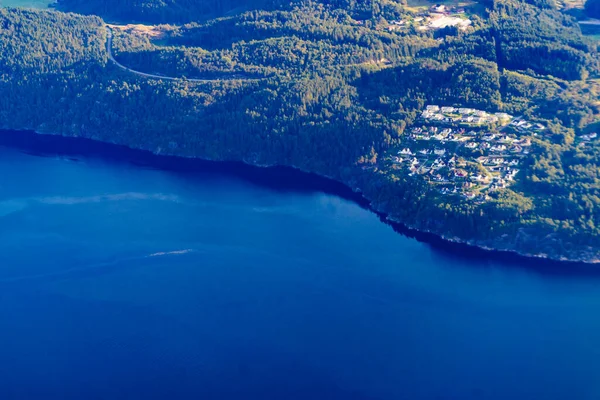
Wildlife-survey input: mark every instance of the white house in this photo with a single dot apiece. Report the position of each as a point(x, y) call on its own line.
point(503, 116)
point(516, 149)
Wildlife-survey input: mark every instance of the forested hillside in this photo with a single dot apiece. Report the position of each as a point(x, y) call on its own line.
point(331, 88)
point(181, 11)
point(28, 45)
point(155, 11)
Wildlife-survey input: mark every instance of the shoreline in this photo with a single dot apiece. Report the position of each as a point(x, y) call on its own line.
point(280, 178)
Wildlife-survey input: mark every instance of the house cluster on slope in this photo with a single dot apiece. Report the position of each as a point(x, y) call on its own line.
point(463, 116)
point(438, 16)
point(460, 155)
point(587, 138)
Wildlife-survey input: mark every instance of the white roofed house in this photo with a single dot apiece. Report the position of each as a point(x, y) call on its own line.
point(432, 108)
point(440, 152)
point(448, 109)
point(589, 136)
point(516, 149)
point(406, 151)
point(525, 142)
point(479, 178)
point(460, 173)
point(437, 164)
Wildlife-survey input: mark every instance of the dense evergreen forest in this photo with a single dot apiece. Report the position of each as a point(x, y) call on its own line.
point(328, 87)
point(181, 11)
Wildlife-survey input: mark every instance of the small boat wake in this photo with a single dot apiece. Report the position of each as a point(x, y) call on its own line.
point(94, 267)
point(170, 253)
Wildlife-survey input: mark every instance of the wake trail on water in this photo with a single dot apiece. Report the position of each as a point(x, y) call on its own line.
point(96, 266)
point(10, 206)
point(70, 200)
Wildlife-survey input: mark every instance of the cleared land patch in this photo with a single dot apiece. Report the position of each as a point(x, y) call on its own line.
point(150, 31)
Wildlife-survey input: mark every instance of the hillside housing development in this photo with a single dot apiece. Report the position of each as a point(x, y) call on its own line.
point(465, 151)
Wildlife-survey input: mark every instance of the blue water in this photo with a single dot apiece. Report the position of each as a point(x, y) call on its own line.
point(127, 282)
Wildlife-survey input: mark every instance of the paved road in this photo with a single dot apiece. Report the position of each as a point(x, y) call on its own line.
point(153, 76)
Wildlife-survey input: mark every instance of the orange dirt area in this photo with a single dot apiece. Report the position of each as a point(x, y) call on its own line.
point(152, 31)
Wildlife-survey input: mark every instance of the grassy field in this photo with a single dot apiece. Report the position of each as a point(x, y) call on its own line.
point(568, 4)
point(26, 3)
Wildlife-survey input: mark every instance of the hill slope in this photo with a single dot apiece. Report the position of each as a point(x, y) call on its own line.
point(340, 96)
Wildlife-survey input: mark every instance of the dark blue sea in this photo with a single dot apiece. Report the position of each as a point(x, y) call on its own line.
point(122, 280)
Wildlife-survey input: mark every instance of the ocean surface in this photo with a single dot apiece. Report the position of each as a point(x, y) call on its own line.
point(119, 280)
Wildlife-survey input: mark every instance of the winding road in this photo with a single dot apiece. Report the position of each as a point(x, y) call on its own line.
point(145, 75)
